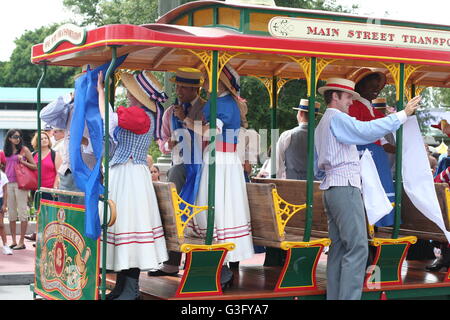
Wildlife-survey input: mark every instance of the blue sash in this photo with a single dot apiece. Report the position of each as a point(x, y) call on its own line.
point(189, 190)
point(86, 112)
point(384, 172)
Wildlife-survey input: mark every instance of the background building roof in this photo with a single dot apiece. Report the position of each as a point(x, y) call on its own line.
point(29, 95)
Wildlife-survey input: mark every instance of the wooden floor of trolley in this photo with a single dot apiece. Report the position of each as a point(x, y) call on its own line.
point(258, 282)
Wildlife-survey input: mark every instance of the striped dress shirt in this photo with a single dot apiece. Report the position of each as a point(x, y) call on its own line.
point(336, 137)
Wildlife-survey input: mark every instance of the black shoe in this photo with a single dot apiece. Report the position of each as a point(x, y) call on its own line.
point(226, 278)
point(160, 273)
point(31, 237)
point(233, 265)
point(437, 266)
point(130, 289)
point(118, 288)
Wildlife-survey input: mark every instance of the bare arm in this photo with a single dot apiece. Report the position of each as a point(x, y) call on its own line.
point(5, 198)
point(27, 159)
point(101, 95)
point(58, 162)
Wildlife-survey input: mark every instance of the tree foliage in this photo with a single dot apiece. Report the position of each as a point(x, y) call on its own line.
point(103, 12)
point(20, 72)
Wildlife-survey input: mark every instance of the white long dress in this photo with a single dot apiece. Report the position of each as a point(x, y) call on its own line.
point(136, 240)
point(232, 214)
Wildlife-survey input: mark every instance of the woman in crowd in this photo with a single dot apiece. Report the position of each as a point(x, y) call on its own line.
point(232, 213)
point(136, 241)
point(16, 152)
point(51, 161)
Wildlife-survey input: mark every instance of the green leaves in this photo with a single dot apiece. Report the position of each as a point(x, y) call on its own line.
point(20, 72)
point(103, 12)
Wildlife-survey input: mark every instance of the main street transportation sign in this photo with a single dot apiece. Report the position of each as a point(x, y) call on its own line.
point(358, 33)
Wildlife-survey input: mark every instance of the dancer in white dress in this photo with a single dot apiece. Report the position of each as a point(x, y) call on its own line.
point(232, 213)
point(136, 241)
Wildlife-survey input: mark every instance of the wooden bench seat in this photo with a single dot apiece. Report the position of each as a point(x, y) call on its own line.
point(167, 211)
point(294, 192)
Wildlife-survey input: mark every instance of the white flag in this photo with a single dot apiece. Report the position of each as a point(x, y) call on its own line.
point(417, 178)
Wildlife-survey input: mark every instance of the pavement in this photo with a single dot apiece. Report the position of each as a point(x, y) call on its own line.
point(17, 273)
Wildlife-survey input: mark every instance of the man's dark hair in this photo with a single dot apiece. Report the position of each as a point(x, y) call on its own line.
point(328, 95)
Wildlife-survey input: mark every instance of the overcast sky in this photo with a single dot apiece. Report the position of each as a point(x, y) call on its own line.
point(20, 15)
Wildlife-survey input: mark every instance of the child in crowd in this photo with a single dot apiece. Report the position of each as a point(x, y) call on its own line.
point(3, 198)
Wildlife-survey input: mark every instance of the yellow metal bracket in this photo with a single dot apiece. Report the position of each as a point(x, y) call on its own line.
point(186, 248)
point(394, 69)
point(376, 242)
point(284, 211)
point(189, 211)
point(207, 59)
point(281, 82)
point(268, 84)
point(408, 91)
point(447, 199)
point(286, 245)
point(371, 227)
point(305, 65)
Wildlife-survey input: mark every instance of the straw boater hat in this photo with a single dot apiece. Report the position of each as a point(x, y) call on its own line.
point(365, 72)
point(188, 77)
point(379, 103)
point(304, 106)
point(144, 87)
point(339, 84)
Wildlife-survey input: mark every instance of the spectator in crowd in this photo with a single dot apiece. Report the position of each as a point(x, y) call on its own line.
point(50, 131)
point(16, 152)
point(59, 135)
point(51, 161)
point(433, 163)
point(154, 170)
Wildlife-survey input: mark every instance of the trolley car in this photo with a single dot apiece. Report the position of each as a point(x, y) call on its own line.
point(275, 45)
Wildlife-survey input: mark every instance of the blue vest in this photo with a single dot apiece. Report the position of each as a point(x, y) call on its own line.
point(131, 145)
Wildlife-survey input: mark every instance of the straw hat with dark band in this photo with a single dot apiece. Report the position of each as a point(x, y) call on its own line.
point(304, 106)
point(379, 103)
point(188, 77)
point(231, 79)
point(339, 84)
point(144, 87)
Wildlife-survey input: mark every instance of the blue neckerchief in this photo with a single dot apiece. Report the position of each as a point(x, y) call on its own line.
point(86, 112)
point(177, 123)
point(193, 170)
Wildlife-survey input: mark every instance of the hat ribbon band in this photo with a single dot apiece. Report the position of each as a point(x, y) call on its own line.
point(379, 105)
point(340, 86)
point(149, 89)
point(306, 108)
point(186, 80)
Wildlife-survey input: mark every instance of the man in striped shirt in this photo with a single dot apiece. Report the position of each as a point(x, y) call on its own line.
point(337, 163)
